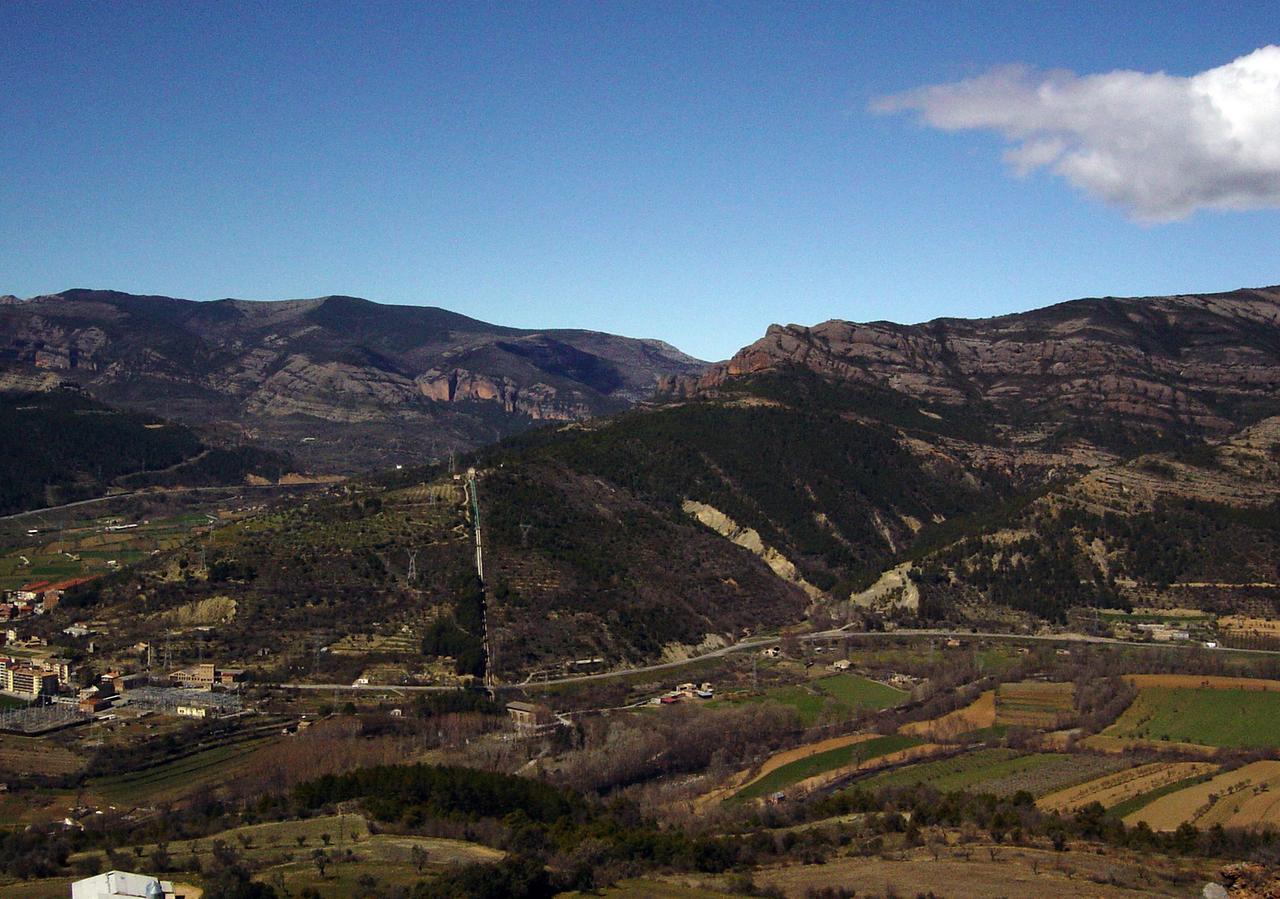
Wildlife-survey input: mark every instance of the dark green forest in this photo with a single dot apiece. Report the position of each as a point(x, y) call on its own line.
point(63, 446)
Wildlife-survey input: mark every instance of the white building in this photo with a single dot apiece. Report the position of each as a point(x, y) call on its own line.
point(124, 885)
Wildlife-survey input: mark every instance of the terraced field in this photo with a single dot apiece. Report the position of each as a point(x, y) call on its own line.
point(1206, 716)
point(1111, 790)
point(1247, 797)
point(1001, 772)
point(1036, 704)
point(820, 763)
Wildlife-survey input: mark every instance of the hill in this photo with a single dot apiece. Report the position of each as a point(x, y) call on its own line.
point(1098, 453)
point(62, 446)
point(342, 383)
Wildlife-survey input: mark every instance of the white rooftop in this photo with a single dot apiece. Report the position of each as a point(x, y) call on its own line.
point(121, 885)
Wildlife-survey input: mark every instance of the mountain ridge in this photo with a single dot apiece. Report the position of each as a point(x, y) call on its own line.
point(380, 383)
point(1166, 362)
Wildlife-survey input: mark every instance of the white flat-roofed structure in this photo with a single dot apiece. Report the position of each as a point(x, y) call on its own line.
point(124, 885)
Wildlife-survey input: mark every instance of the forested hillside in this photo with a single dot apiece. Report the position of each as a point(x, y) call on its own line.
point(62, 446)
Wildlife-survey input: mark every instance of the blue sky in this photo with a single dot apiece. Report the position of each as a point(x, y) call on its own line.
point(687, 171)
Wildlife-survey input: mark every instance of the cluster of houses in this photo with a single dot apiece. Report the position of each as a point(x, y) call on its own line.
point(685, 692)
point(36, 598)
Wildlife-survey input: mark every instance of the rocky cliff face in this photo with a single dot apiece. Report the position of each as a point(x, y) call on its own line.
point(420, 380)
point(1166, 365)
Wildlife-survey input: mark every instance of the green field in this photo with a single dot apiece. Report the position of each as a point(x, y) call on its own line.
point(806, 702)
point(1244, 719)
point(822, 762)
point(1003, 772)
point(859, 692)
point(837, 695)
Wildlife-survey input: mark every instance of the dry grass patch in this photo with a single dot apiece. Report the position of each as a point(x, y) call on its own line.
point(1246, 797)
point(978, 714)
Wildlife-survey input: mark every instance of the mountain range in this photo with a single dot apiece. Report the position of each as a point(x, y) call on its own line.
point(1000, 472)
point(340, 383)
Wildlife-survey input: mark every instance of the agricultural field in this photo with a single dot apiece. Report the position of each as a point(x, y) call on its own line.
point(832, 698)
point(1112, 790)
point(978, 715)
point(1205, 681)
point(848, 756)
point(1038, 704)
point(649, 889)
point(403, 643)
point(37, 755)
point(860, 692)
point(1205, 716)
point(1001, 772)
point(85, 547)
point(1247, 797)
point(181, 777)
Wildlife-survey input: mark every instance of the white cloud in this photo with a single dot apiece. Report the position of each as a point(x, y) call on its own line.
point(1159, 146)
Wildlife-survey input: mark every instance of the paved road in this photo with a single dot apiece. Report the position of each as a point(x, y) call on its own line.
point(835, 633)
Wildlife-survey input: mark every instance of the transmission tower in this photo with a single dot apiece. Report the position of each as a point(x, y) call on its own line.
point(413, 565)
point(525, 528)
